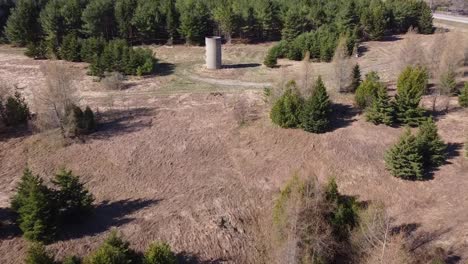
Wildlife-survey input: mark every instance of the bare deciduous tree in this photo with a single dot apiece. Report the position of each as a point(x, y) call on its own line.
point(4, 90)
point(306, 76)
point(374, 239)
point(313, 229)
point(241, 110)
point(52, 99)
point(411, 52)
point(444, 59)
point(113, 81)
point(305, 234)
point(342, 67)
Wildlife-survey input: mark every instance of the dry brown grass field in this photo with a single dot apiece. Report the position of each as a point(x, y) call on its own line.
point(170, 161)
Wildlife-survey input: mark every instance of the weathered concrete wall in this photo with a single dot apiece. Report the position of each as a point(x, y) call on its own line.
point(213, 52)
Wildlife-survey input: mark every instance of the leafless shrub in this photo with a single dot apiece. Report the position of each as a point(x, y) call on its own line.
point(374, 240)
point(113, 81)
point(411, 52)
point(3, 94)
point(342, 67)
point(273, 93)
point(303, 233)
point(306, 76)
point(445, 57)
point(241, 110)
point(466, 147)
point(52, 99)
point(5, 89)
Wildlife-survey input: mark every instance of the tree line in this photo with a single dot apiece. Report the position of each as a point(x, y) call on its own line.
point(150, 21)
point(319, 33)
point(51, 26)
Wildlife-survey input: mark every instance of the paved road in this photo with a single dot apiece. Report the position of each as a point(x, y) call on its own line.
point(459, 19)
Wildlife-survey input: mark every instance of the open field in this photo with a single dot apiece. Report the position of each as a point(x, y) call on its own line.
point(170, 162)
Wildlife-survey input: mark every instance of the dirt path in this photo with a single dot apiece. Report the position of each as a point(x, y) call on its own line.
point(228, 82)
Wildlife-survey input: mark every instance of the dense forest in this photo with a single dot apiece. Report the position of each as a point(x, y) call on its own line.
point(149, 21)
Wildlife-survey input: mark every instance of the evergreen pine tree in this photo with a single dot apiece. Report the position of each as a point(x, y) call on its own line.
point(37, 254)
point(194, 21)
point(99, 20)
point(294, 24)
point(70, 49)
point(269, 20)
point(404, 160)
point(463, 97)
point(448, 82)
point(425, 25)
point(411, 85)
point(348, 18)
point(114, 250)
point(35, 207)
point(271, 58)
point(413, 80)
point(343, 215)
point(432, 147)
point(287, 109)
point(73, 199)
point(172, 20)
point(37, 50)
point(225, 17)
point(72, 260)
point(381, 111)
point(28, 180)
point(367, 90)
point(22, 26)
point(147, 19)
point(15, 111)
point(356, 81)
point(250, 28)
point(159, 253)
point(378, 21)
point(124, 11)
point(316, 113)
point(331, 191)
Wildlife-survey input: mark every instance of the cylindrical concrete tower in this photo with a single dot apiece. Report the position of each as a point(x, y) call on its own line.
point(213, 52)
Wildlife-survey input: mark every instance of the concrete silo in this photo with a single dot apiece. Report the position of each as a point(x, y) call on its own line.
point(213, 52)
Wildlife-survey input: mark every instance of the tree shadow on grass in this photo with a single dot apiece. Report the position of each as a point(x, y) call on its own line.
point(420, 239)
point(452, 259)
point(164, 69)
point(453, 151)
point(241, 65)
point(105, 216)
point(391, 38)
point(8, 228)
point(342, 116)
point(437, 114)
point(405, 229)
point(417, 242)
point(119, 122)
point(189, 258)
point(15, 132)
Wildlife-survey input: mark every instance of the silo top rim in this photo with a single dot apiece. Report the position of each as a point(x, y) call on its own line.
point(213, 37)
